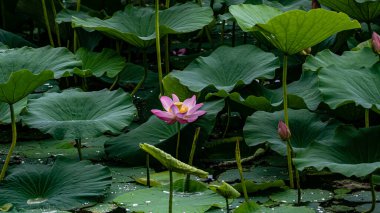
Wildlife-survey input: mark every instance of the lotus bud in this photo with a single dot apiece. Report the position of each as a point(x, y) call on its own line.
point(315, 4)
point(376, 42)
point(306, 51)
point(283, 131)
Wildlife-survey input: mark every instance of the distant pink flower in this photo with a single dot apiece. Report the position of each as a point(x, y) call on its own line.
point(283, 131)
point(175, 110)
point(180, 52)
point(376, 42)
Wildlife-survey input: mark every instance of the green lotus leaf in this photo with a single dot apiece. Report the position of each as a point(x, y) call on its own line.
point(76, 115)
point(350, 59)
point(13, 40)
point(155, 200)
point(295, 30)
point(172, 163)
point(65, 185)
point(340, 86)
point(137, 25)
point(306, 128)
point(107, 61)
point(226, 190)
point(5, 115)
point(308, 195)
point(362, 10)
point(243, 65)
point(352, 152)
point(65, 15)
point(21, 83)
point(158, 133)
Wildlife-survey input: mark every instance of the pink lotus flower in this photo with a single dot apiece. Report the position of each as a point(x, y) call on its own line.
point(376, 42)
point(175, 110)
point(283, 131)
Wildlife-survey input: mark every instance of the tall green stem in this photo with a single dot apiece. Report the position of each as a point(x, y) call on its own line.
point(141, 82)
point(167, 57)
point(228, 118)
point(78, 143)
point(158, 47)
point(298, 182)
point(191, 157)
point(178, 139)
point(373, 194)
point(47, 23)
point(13, 144)
point(55, 23)
point(147, 171)
point(75, 39)
point(240, 168)
point(286, 118)
point(170, 191)
point(227, 206)
point(366, 118)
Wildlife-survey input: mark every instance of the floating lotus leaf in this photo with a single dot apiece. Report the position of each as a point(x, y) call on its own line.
point(340, 86)
point(352, 152)
point(65, 185)
point(362, 10)
point(350, 59)
point(107, 61)
point(137, 25)
point(243, 65)
point(306, 128)
point(5, 115)
point(308, 195)
point(151, 200)
point(172, 163)
point(295, 30)
point(158, 133)
point(226, 190)
point(74, 114)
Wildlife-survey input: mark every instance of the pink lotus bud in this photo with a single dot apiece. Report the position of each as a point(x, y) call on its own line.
point(376, 42)
point(283, 131)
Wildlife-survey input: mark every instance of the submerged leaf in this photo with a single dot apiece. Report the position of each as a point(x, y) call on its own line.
point(171, 163)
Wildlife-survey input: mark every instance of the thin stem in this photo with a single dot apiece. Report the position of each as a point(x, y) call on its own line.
point(178, 139)
point(290, 165)
point(55, 23)
point(167, 57)
point(191, 157)
point(298, 182)
point(78, 143)
point(114, 82)
point(227, 206)
point(47, 23)
point(240, 168)
point(75, 39)
point(78, 5)
point(13, 144)
point(228, 118)
point(170, 191)
point(141, 82)
point(233, 33)
point(147, 171)
point(373, 194)
point(158, 47)
point(366, 118)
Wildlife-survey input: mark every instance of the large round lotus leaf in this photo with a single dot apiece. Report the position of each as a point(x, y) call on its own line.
point(65, 185)
point(295, 30)
point(59, 60)
point(157, 133)
point(306, 128)
point(243, 65)
point(172, 163)
point(156, 200)
point(137, 25)
point(351, 152)
point(350, 59)
point(107, 61)
point(307, 195)
point(5, 115)
point(362, 10)
point(74, 114)
point(340, 86)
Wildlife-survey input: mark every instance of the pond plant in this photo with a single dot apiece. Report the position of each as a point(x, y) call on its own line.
point(294, 100)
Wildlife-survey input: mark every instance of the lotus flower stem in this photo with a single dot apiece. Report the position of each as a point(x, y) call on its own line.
point(13, 144)
point(373, 194)
point(158, 47)
point(366, 118)
point(298, 187)
point(147, 171)
point(47, 23)
point(78, 143)
point(191, 157)
point(170, 191)
point(167, 57)
point(240, 168)
point(56, 24)
point(286, 118)
point(228, 118)
point(141, 82)
point(227, 206)
point(178, 139)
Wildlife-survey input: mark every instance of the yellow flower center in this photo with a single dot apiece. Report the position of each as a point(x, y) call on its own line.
point(182, 108)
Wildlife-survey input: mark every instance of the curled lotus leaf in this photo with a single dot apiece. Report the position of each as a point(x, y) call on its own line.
point(226, 190)
point(171, 163)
